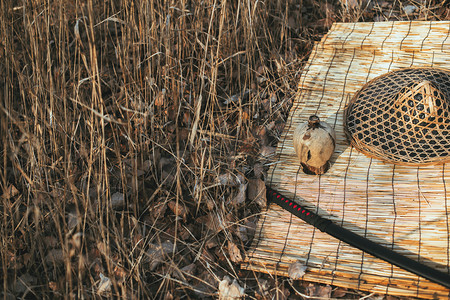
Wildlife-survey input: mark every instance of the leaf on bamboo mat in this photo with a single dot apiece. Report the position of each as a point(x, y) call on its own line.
point(296, 270)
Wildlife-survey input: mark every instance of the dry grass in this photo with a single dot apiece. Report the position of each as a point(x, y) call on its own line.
point(119, 118)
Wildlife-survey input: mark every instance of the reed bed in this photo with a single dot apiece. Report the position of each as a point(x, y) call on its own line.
point(117, 120)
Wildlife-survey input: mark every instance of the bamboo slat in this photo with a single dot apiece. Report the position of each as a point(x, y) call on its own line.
point(402, 207)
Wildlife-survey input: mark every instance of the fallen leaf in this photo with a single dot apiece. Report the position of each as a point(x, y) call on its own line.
point(261, 78)
point(340, 292)
point(210, 203)
point(351, 4)
point(249, 146)
point(117, 200)
point(102, 248)
point(168, 296)
point(267, 151)
point(53, 285)
point(317, 290)
point(240, 196)
point(138, 240)
point(263, 289)
point(156, 254)
point(120, 273)
point(258, 170)
point(261, 134)
point(72, 218)
point(242, 233)
point(257, 192)
point(186, 118)
point(230, 290)
point(50, 241)
point(96, 266)
point(205, 286)
point(186, 270)
point(26, 257)
point(385, 4)
point(189, 269)
point(76, 240)
point(235, 98)
point(158, 210)
point(234, 252)
point(167, 166)
point(54, 257)
point(10, 192)
point(279, 127)
point(270, 126)
point(24, 283)
point(83, 263)
point(230, 179)
point(245, 115)
point(296, 270)
point(104, 286)
point(266, 104)
point(185, 232)
point(159, 99)
point(212, 221)
point(183, 134)
point(246, 231)
point(212, 242)
point(178, 209)
point(409, 9)
point(206, 256)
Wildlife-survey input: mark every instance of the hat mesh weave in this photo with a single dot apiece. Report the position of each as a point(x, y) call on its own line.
point(402, 117)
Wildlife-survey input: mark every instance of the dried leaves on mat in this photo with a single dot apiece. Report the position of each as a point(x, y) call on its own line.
point(296, 270)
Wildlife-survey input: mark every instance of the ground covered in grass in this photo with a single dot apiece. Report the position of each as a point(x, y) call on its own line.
point(136, 137)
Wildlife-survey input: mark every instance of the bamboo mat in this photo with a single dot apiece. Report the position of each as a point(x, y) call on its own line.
point(404, 208)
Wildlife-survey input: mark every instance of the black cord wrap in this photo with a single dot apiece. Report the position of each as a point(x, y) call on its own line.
point(358, 241)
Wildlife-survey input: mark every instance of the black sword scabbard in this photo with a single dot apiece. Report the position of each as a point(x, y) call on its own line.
point(358, 241)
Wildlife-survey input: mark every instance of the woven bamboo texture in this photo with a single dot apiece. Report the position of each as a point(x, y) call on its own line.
point(402, 117)
point(402, 207)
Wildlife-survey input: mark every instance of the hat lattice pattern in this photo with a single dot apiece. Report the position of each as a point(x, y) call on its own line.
point(402, 117)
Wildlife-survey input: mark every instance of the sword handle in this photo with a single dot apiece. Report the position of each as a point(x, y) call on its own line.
point(358, 241)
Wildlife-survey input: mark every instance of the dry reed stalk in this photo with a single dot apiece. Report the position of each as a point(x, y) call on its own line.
point(111, 111)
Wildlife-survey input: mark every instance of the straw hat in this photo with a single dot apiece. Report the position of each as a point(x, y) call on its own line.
point(402, 117)
point(314, 143)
